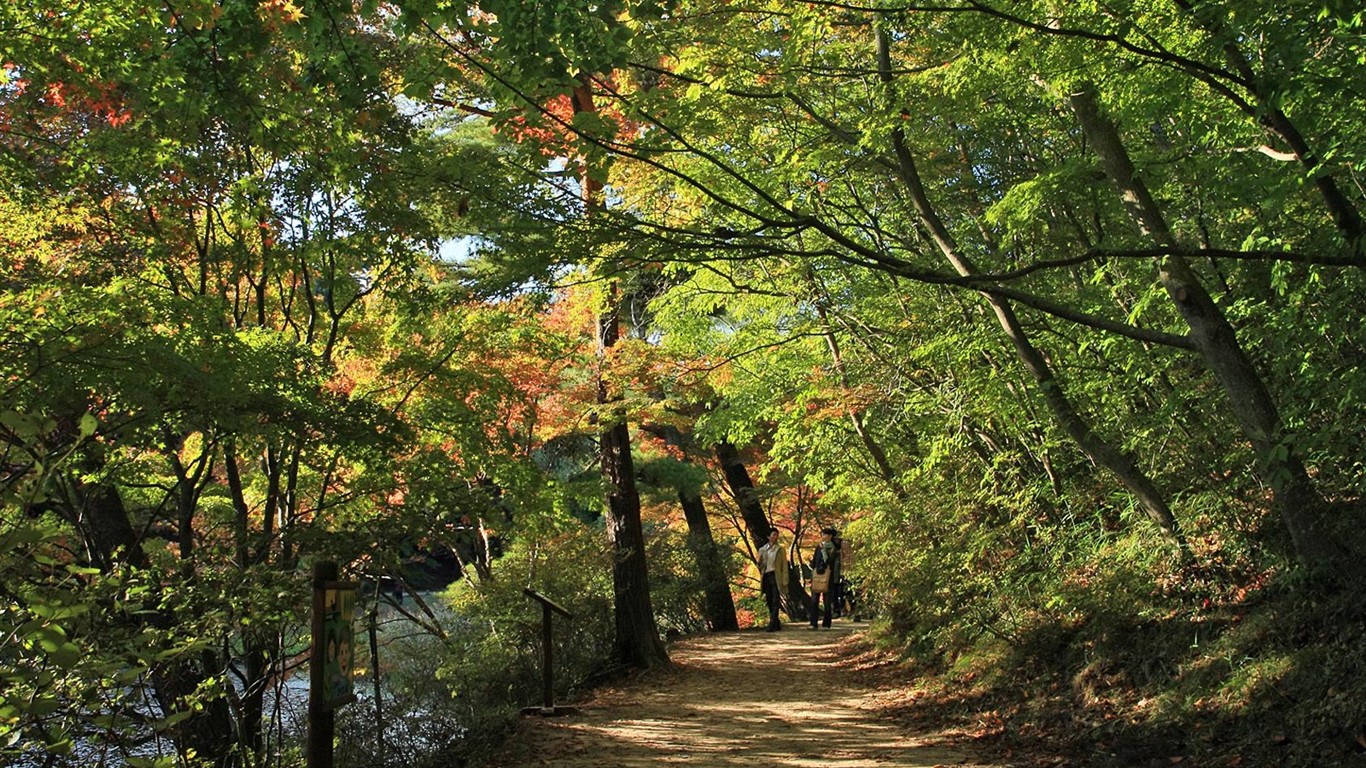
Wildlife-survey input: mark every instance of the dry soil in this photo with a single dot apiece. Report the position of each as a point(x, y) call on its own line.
point(754, 699)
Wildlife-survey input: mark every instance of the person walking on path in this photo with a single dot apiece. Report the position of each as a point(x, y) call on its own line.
point(773, 578)
point(825, 574)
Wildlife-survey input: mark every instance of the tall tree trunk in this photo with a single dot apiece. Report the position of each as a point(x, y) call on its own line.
point(720, 606)
point(752, 512)
point(637, 641)
point(1119, 463)
point(207, 732)
point(1295, 496)
point(110, 537)
point(258, 657)
point(378, 688)
point(637, 636)
point(746, 497)
point(258, 653)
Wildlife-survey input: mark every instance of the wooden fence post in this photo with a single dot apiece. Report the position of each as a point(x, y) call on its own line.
point(322, 723)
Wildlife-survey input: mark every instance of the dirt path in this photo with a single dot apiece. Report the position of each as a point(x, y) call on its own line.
point(738, 699)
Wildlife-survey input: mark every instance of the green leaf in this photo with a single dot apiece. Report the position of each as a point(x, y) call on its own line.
point(88, 425)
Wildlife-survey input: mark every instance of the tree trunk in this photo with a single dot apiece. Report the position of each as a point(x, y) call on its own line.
point(110, 537)
point(378, 688)
point(207, 732)
point(746, 497)
point(637, 637)
point(1295, 497)
point(752, 512)
point(257, 652)
point(720, 606)
point(258, 657)
point(637, 640)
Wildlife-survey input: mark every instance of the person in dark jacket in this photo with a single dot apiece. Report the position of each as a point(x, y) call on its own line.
point(825, 561)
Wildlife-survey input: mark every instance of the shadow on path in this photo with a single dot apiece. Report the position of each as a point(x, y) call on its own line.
point(750, 699)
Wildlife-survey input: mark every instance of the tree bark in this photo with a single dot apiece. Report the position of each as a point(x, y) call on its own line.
point(259, 650)
point(110, 537)
point(637, 636)
point(207, 732)
point(258, 657)
point(752, 512)
point(1295, 497)
point(720, 606)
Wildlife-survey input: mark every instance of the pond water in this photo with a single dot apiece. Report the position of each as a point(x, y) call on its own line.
point(285, 724)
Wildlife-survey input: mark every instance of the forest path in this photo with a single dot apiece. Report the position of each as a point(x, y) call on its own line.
point(756, 699)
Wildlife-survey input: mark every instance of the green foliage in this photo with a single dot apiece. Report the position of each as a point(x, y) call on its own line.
point(490, 661)
point(676, 586)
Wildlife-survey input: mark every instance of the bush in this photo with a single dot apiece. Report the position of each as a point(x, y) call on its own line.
point(676, 586)
point(455, 697)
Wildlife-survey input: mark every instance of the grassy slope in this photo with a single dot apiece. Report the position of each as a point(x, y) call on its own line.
point(1274, 678)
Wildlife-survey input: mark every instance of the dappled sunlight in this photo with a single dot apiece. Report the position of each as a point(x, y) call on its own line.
point(740, 699)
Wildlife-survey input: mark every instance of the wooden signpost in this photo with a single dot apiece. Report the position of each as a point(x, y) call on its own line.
point(330, 660)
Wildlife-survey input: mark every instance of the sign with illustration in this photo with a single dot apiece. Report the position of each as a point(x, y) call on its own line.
point(339, 606)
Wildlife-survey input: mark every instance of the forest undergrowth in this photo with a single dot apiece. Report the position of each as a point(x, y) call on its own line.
point(1239, 669)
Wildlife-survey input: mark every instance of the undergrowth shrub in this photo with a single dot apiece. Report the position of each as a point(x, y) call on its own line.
point(456, 696)
point(676, 586)
point(1089, 633)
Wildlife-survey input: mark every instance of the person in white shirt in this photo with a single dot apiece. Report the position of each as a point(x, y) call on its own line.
point(773, 578)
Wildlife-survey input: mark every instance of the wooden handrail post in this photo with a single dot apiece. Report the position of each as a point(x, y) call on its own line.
point(548, 663)
point(548, 610)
